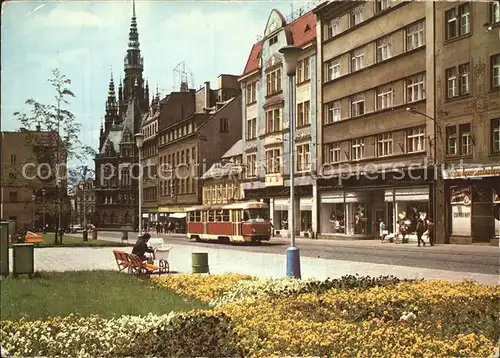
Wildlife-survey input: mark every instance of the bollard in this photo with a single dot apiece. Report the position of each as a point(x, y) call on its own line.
point(199, 261)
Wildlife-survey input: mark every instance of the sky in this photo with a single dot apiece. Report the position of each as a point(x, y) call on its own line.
point(88, 40)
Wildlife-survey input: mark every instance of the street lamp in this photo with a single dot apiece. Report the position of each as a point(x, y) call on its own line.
point(85, 232)
point(139, 141)
point(290, 54)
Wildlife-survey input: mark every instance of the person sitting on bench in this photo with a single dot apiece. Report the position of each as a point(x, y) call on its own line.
point(141, 247)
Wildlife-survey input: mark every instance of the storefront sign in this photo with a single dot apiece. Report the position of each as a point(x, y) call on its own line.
point(172, 209)
point(460, 195)
point(472, 172)
point(461, 220)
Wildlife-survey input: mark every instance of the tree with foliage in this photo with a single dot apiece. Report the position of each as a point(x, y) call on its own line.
point(63, 145)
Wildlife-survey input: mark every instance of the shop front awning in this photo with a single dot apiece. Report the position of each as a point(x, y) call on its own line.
point(177, 215)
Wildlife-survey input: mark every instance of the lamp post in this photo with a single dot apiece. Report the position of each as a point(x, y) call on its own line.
point(85, 232)
point(139, 141)
point(290, 54)
point(43, 200)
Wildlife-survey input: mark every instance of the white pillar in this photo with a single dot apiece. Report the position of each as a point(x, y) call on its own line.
point(314, 213)
point(271, 212)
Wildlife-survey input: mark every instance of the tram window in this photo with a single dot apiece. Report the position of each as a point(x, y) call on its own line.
point(220, 215)
point(211, 215)
point(225, 215)
point(256, 215)
point(190, 217)
point(197, 216)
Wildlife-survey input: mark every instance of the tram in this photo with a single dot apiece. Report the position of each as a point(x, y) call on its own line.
point(237, 222)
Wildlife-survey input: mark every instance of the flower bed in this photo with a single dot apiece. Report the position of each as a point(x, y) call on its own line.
point(351, 316)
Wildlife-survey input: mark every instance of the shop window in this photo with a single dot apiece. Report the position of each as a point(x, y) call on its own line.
point(359, 219)
point(336, 220)
point(281, 220)
point(305, 220)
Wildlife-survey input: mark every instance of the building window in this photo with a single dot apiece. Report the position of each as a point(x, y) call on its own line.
point(415, 139)
point(384, 144)
point(358, 105)
point(273, 121)
point(358, 149)
point(384, 97)
point(251, 93)
point(303, 117)
point(357, 16)
point(415, 88)
point(457, 26)
point(332, 112)
point(333, 28)
point(303, 70)
point(13, 159)
point(331, 153)
point(415, 36)
point(251, 165)
point(495, 71)
point(465, 139)
point(457, 81)
point(495, 135)
point(13, 196)
point(451, 140)
point(273, 40)
point(381, 5)
point(223, 125)
point(252, 128)
point(357, 60)
point(495, 12)
point(332, 70)
point(303, 157)
point(273, 161)
point(273, 81)
point(383, 48)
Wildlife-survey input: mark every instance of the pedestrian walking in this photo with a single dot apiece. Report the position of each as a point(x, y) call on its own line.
point(382, 230)
point(420, 229)
point(430, 230)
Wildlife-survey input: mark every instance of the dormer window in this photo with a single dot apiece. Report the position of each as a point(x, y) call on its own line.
point(273, 40)
point(308, 28)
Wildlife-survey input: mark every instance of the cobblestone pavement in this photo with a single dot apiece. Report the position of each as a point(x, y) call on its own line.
point(222, 260)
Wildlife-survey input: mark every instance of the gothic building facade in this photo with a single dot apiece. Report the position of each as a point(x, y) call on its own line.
point(116, 189)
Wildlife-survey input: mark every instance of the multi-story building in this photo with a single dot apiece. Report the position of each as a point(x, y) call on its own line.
point(195, 129)
point(266, 138)
point(116, 184)
point(149, 161)
point(29, 191)
point(84, 201)
point(375, 115)
point(468, 111)
point(222, 182)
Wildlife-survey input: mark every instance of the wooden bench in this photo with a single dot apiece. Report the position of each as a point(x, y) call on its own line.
point(121, 260)
point(138, 267)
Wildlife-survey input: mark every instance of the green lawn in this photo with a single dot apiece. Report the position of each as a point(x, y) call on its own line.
point(106, 293)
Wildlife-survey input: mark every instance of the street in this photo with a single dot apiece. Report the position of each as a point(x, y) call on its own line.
point(461, 258)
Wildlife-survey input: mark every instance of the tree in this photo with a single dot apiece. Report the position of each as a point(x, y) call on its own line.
point(55, 150)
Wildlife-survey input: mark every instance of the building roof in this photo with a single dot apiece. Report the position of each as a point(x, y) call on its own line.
point(116, 134)
point(236, 149)
point(302, 30)
point(219, 170)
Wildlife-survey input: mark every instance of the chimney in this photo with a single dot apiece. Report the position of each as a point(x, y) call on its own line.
point(207, 94)
point(38, 128)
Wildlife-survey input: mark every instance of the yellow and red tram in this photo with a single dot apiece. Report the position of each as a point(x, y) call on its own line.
point(237, 222)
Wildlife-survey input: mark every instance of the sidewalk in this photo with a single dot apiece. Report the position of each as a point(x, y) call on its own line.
point(232, 261)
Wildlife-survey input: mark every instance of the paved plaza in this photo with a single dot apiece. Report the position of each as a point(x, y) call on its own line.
point(258, 264)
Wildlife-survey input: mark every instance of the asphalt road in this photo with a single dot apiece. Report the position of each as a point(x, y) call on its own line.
point(480, 259)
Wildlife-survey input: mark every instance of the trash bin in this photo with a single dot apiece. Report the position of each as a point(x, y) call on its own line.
point(4, 248)
point(199, 261)
point(94, 234)
point(24, 259)
point(162, 253)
